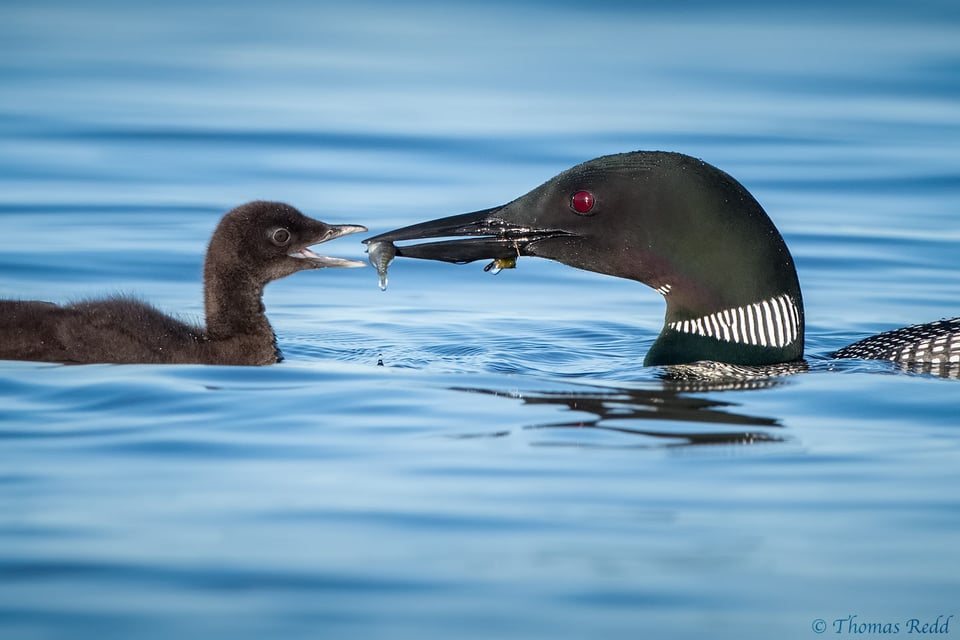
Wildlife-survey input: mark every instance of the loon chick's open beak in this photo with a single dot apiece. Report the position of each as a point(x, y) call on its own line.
point(320, 262)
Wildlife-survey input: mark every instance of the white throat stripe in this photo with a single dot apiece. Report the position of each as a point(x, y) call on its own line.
point(769, 323)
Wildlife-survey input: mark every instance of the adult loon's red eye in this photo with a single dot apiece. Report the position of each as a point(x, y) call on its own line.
point(582, 202)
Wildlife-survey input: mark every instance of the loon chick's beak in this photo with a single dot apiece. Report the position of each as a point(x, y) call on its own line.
point(321, 262)
point(486, 234)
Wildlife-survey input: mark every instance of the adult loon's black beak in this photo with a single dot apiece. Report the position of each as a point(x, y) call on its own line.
point(486, 234)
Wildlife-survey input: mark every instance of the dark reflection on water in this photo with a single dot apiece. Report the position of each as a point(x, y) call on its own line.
point(719, 376)
point(621, 409)
point(945, 370)
point(948, 370)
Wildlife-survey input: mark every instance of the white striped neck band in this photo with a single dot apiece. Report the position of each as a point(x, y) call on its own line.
point(770, 323)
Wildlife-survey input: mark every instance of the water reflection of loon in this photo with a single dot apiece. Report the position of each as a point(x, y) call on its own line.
point(624, 410)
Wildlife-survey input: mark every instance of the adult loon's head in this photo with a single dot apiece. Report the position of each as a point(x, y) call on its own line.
point(675, 223)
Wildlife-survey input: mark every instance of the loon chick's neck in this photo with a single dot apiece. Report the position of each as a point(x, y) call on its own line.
point(254, 244)
point(675, 223)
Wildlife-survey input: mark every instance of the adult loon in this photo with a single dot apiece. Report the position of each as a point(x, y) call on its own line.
point(686, 229)
point(254, 244)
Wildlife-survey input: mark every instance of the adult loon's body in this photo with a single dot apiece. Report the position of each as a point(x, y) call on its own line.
point(254, 244)
point(686, 229)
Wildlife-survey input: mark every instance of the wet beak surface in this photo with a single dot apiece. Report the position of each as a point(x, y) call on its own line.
point(472, 236)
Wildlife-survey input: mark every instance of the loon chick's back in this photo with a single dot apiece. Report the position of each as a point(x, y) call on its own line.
point(673, 222)
point(254, 244)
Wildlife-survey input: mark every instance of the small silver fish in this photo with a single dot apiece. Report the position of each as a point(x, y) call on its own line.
point(380, 255)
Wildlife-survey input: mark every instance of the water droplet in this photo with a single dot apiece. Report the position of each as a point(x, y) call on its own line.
point(381, 254)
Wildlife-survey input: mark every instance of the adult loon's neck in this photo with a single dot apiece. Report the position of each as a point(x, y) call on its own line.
point(767, 331)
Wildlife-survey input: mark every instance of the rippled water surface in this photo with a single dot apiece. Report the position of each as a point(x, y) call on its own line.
point(511, 470)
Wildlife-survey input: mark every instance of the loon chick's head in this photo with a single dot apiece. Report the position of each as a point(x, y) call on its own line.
point(267, 241)
point(255, 244)
point(670, 221)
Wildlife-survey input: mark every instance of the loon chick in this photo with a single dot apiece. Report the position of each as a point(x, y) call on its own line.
point(673, 222)
point(254, 244)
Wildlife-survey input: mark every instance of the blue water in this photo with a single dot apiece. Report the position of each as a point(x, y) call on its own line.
point(512, 470)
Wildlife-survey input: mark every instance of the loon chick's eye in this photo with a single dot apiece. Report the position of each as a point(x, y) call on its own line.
point(582, 202)
point(280, 237)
